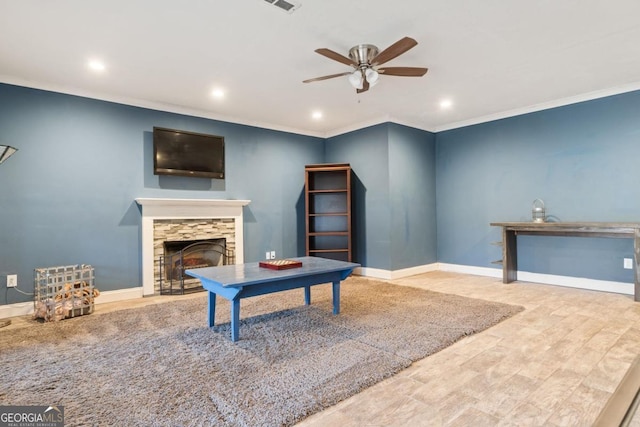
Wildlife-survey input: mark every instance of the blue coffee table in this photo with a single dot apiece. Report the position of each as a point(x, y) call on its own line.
point(235, 282)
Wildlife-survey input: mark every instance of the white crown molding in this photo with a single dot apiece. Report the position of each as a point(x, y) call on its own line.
point(590, 96)
point(357, 126)
point(328, 134)
point(152, 105)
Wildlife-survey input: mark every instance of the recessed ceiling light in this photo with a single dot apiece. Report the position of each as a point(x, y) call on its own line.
point(96, 65)
point(217, 93)
point(446, 104)
point(317, 115)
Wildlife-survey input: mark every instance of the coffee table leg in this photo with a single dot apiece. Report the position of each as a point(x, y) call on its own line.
point(235, 319)
point(307, 295)
point(211, 311)
point(336, 297)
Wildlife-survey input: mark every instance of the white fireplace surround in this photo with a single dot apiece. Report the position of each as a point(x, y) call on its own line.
point(155, 208)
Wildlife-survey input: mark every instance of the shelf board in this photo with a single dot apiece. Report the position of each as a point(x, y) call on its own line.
point(329, 214)
point(329, 233)
point(328, 167)
point(327, 250)
point(333, 190)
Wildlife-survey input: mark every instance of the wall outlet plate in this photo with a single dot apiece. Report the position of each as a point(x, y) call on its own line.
point(12, 280)
point(267, 255)
point(273, 254)
point(628, 263)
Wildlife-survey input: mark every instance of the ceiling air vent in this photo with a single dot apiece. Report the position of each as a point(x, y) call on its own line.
point(287, 6)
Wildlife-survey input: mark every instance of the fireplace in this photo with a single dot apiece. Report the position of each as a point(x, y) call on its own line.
point(186, 219)
point(187, 254)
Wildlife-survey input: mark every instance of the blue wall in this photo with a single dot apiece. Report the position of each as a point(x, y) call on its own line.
point(68, 193)
point(367, 151)
point(394, 209)
point(412, 182)
point(582, 160)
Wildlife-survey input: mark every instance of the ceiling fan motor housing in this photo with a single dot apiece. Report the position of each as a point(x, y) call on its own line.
point(363, 54)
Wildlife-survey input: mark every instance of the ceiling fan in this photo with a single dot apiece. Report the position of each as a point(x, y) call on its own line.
point(365, 59)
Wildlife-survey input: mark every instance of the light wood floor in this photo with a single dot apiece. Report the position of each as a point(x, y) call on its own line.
point(554, 364)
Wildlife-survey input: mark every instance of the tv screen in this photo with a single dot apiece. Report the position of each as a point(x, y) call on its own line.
point(178, 152)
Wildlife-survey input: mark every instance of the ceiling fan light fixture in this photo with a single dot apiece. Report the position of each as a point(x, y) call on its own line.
point(356, 80)
point(372, 76)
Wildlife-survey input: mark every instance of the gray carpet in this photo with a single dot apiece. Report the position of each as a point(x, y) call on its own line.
point(160, 364)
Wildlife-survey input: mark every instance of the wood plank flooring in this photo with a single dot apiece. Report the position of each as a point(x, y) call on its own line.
point(555, 364)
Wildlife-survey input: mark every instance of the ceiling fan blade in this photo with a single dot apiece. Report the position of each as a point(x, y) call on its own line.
point(336, 56)
point(396, 49)
point(365, 87)
point(403, 71)
point(317, 79)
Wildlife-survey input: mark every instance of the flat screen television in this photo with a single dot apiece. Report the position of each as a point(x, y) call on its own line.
point(182, 153)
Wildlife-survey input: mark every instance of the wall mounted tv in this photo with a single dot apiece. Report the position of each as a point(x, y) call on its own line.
point(182, 153)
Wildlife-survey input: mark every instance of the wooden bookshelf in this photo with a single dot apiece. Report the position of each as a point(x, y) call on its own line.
point(328, 211)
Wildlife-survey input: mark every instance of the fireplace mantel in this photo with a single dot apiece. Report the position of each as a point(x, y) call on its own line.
point(159, 208)
point(191, 208)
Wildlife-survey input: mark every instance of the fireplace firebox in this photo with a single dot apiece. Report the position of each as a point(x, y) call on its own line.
point(186, 254)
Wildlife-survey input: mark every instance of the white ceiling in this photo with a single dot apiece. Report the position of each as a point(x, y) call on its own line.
point(492, 58)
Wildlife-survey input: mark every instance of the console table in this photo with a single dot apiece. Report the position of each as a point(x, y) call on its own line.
point(572, 229)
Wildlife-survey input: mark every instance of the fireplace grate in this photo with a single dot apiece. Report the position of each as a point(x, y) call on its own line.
point(202, 253)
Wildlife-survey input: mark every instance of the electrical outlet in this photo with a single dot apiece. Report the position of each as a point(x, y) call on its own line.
point(273, 254)
point(12, 280)
point(628, 263)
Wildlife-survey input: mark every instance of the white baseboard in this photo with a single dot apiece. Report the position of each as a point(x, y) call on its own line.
point(119, 295)
point(376, 273)
point(468, 269)
point(17, 309)
point(578, 282)
point(395, 274)
point(26, 308)
point(546, 279)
